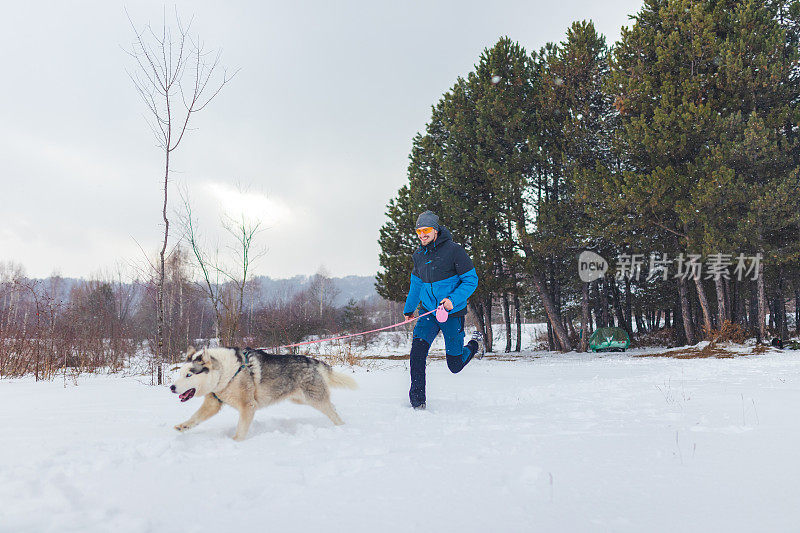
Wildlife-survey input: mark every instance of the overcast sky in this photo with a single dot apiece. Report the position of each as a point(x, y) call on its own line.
point(316, 127)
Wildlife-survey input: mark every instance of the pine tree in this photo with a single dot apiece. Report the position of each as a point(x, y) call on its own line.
point(705, 91)
point(504, 119)
point(663, 78)
point(574, 142)
point(397, 245)
point(746, 201)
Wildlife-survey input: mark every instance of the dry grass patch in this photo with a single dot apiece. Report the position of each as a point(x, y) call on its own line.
point(726, 342)
point(695, 353)
point(729, 332)
point(762, 348)
point(711, 350)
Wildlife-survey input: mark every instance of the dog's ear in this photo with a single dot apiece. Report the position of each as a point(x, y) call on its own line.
point(190, 351)
point(211, 362)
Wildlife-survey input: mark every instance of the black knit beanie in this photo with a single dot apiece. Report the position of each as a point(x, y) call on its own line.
point(428, 219)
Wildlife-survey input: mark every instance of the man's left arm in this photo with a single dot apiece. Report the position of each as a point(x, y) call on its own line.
point(468, 279)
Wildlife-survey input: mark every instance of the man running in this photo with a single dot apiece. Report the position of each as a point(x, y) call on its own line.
point(443, 275)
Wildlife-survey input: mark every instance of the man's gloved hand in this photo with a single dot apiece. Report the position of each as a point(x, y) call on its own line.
point(409, 316)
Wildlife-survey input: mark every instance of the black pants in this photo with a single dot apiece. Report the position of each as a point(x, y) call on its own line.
point(424, 333)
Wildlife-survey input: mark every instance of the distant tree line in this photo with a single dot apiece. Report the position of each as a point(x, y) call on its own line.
point(676, 146)
point(51, 327)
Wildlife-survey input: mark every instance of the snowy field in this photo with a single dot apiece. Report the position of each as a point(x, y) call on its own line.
point(550, 442)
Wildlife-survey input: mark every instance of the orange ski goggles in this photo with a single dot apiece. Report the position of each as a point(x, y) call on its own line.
point(424, 231)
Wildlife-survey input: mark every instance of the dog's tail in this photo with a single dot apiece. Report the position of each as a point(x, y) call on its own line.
point(339, 380)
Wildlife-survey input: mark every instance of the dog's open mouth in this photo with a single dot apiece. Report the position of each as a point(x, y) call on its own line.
point(187, 395)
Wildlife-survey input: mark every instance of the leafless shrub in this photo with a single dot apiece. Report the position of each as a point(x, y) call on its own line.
point(69, 327)
point(44, 330)
point(291, 321)
point(340, 354)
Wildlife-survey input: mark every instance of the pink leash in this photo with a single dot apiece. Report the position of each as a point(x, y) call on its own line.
point(366, 332)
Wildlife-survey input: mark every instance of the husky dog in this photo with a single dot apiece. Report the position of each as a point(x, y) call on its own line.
point(251, 379)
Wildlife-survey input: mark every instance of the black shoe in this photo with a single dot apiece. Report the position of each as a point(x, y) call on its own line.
point(478, 338)
point(420, 407)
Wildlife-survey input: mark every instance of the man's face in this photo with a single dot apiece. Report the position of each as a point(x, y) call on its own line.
point(425, 236)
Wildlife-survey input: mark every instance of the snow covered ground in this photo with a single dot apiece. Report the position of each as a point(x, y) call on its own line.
point(550, 442)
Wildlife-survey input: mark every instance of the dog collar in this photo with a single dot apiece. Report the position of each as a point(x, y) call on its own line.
point(246, 354)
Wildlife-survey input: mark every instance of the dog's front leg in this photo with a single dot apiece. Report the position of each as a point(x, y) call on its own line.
point(210, 407)
point(246, 413)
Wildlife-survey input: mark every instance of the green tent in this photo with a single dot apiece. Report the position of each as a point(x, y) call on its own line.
point(609, 340)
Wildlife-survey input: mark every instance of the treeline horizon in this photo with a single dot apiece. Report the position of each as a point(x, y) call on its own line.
point(279, 287)
point(677, 145)
point(49, 326)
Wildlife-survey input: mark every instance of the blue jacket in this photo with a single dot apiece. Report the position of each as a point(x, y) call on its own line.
point(442, 269)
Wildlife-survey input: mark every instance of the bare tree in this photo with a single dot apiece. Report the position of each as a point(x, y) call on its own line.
point(323, 289)
point(175, 77)
point(223, 284)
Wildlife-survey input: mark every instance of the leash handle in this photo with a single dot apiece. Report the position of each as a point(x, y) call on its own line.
point(406, 321)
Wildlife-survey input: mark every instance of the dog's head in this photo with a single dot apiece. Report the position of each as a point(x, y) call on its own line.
point(197, 376)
